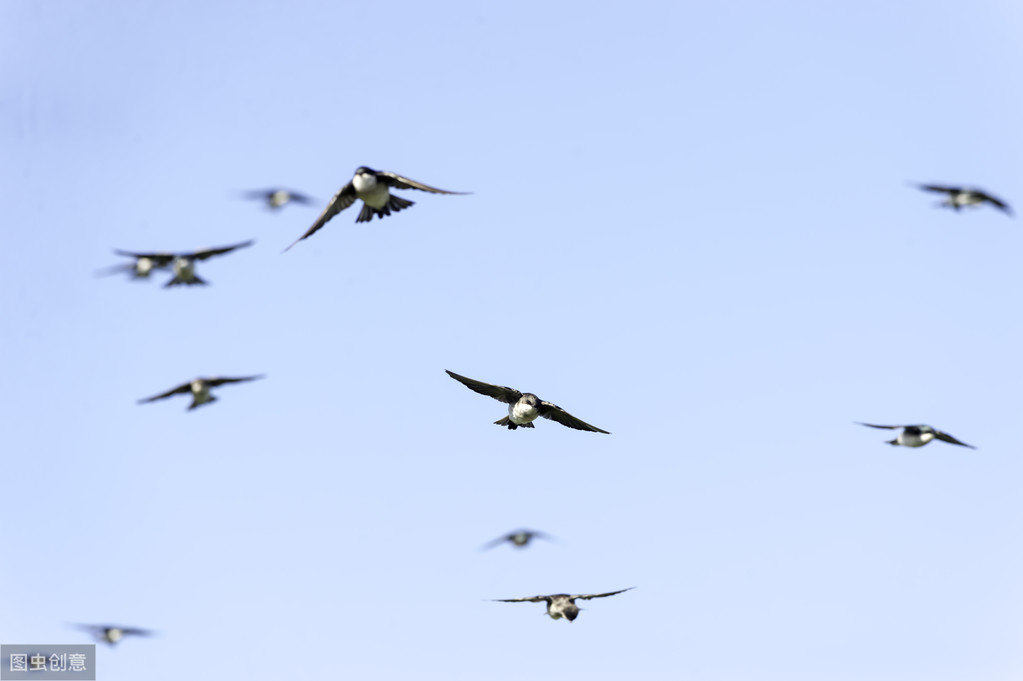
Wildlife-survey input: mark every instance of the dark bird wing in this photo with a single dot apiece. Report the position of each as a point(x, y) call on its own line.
point(300, 198)
point(398, 182)
point(945, 437)
point(495, 542)
point(221, 381)
point(163, 258)
point(998, 203)
point(874, 425)
point(533, 599)
point(556, 413)
point(261, 194)
point(344, 198)
point(210, 252)
point(939, 188)
point(609, 593)
point(132, 631)
point(183, 388)
point(115, 269)
point(498, 392)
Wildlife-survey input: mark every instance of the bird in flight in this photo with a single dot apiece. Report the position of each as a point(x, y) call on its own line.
point(524, 408)
point(183, 264)
point(917, 436)
point(200, 389)
point(561, 605)
point(277, 198)
point(519, 538)
point(143, 266)
point(957, 197)
point(373, 187)
point(111, 634)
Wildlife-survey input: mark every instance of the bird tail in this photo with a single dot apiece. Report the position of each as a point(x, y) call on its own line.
point(511, 426)
point(176, 281)
point(395, 203)
point(893, 442)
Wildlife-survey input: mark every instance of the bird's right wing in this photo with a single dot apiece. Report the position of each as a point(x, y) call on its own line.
point(344, 198)
point(534, 599)
point(183, 388)
point(609, 593)
point(498, 392)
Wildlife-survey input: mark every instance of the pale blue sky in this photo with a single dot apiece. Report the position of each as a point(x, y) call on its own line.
point(690, 225)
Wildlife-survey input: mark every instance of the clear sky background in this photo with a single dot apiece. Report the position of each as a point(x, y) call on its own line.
point(691, 225)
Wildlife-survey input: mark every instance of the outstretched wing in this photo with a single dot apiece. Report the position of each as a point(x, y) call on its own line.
point(398, 182)
point(344, 198)
point(183, 388)
point(553, 412)
point(498, 392)
point(609, 593)
point(534, 599)
point(210, 252)
point(163, 258)
point(221, 381)
point(945, 437)
point(874, 425)
point(939, 188)
point(998, 203)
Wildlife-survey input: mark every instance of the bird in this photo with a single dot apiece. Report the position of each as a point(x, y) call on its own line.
point(917, 436)
point(374, 188)
point(184, 264)
point(957, 197)
point(111, 634)
point(524, 408)
point(277, 198)
point(561, 605)
point(519, 538)
point(143, 266)
point(200, 389)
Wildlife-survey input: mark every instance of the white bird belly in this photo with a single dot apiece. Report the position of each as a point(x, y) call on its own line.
point(522, 413)
point(915, 440)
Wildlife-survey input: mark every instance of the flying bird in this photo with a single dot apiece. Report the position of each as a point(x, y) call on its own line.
point(184, 264)
point(917, 436)
point(277, 198)
point(957, 197)
point(519, 538)
point(143, 266)
point(374, 188)
point(561, 605)
point(111, 634)
point(524, 408)
point(200, 389)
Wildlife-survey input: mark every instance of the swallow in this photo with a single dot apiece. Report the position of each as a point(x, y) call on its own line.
point(143, 266)
point(277, 198)
point(200, 389)
point(561, 605)
point(184, 264)
point(111, 634)
point(917, 436)
point(519, 538)
point(374, 188)
point(524, 408)
point(957, 197)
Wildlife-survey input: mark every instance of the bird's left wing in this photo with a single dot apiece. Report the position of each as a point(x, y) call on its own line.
point(553, 412)
point(398, 182)
point(609, 593)
point(222, 381)
point(210, 252)
point(945, 437)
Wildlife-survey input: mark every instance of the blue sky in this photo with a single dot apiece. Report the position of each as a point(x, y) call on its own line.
point(690, 225)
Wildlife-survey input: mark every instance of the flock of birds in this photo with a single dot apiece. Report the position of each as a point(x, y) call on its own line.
point(374, 189)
